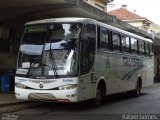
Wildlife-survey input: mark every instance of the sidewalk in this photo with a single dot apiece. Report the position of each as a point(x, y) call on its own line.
point(156, 84)
point(7, 99)
point(9, 103)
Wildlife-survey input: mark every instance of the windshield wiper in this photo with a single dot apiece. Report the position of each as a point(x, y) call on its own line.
point(32, 66)
point(54, 66)
point(36, 61)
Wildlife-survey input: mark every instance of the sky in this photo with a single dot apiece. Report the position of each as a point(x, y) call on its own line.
point(150, 9)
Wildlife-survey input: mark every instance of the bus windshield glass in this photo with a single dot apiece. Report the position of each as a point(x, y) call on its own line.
point(49, 50)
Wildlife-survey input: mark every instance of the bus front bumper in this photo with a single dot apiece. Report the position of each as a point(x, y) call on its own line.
point(47, 95)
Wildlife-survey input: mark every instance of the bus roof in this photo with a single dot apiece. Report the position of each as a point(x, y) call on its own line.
point(77, 19)
point(67, 19)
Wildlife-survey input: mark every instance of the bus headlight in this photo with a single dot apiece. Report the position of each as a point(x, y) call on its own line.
point(67, 87)
point(18, 85)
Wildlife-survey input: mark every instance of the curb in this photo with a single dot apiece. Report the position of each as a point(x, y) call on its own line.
point(17, 107)
point(156, 85)
point(13, 103)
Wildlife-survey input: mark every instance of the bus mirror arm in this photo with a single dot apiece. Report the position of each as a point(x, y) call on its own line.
point(92, 75)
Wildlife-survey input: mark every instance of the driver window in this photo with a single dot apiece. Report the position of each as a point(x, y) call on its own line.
point(88, 48)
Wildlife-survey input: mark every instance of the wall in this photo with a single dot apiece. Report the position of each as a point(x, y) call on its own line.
point(155, 28)
point(9, 46)
point(4, 32)
point(136, 24)
point(98, 4)
point(152, 28)
point(7, 61)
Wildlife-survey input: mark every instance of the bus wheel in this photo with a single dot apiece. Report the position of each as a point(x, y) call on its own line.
point(137, 91)
point(98, 100)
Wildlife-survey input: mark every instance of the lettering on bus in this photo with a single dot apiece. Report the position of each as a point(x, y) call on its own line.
point(35, 29)
point(67, 80)
point(132, 62)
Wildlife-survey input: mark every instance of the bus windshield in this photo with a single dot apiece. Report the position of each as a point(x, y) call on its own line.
point(49, 50)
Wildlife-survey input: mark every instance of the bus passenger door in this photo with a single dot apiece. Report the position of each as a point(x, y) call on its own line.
point(87, 56)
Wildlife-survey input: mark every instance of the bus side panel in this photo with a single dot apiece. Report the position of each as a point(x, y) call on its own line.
point(121, 71)
point(148, 71)
point(86, 87)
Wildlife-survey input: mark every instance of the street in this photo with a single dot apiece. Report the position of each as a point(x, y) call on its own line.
point(147, 103)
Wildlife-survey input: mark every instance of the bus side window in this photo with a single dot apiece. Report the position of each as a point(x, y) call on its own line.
point(116, 41)
point(134, 48)
point(88, 44)
point(128, 44)
point(150, 49)
point(98, 38)
point(141, 47)
point(104, 38)
point(147, 48)
point(125, 41)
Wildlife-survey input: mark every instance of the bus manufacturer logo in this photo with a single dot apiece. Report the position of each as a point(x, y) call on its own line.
point(67, 80)
point(21, 80)
point(41, 85)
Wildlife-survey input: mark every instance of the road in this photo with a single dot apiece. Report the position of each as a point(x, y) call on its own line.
point(147, 103)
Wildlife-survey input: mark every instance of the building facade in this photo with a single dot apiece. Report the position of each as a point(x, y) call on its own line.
point(100, 4)
point(135, 20)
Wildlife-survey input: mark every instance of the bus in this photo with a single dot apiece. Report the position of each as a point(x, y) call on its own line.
point(78, 59)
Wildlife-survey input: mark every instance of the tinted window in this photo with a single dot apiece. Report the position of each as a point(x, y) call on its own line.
point(125, 43)
point(141, 47)
point(147, 48)
point(36, 38)
point(104, 38)
point(116, 41)
point(133, 45)
point(88, 48)
point(151, 49)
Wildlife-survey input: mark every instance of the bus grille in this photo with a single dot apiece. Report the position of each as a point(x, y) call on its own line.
point(41, 96)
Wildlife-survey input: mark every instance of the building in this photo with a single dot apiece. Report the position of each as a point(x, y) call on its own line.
point(135, 20)
point(100, 4)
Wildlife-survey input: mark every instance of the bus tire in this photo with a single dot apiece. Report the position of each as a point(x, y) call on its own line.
point(137, 91)
point(100, 94)
point(98, 100)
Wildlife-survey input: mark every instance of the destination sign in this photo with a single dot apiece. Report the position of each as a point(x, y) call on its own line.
point(35, 29)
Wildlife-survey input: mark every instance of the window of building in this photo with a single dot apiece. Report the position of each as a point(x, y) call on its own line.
point(99, 6)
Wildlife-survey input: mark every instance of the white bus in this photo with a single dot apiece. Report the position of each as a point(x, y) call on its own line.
point(77, 59)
